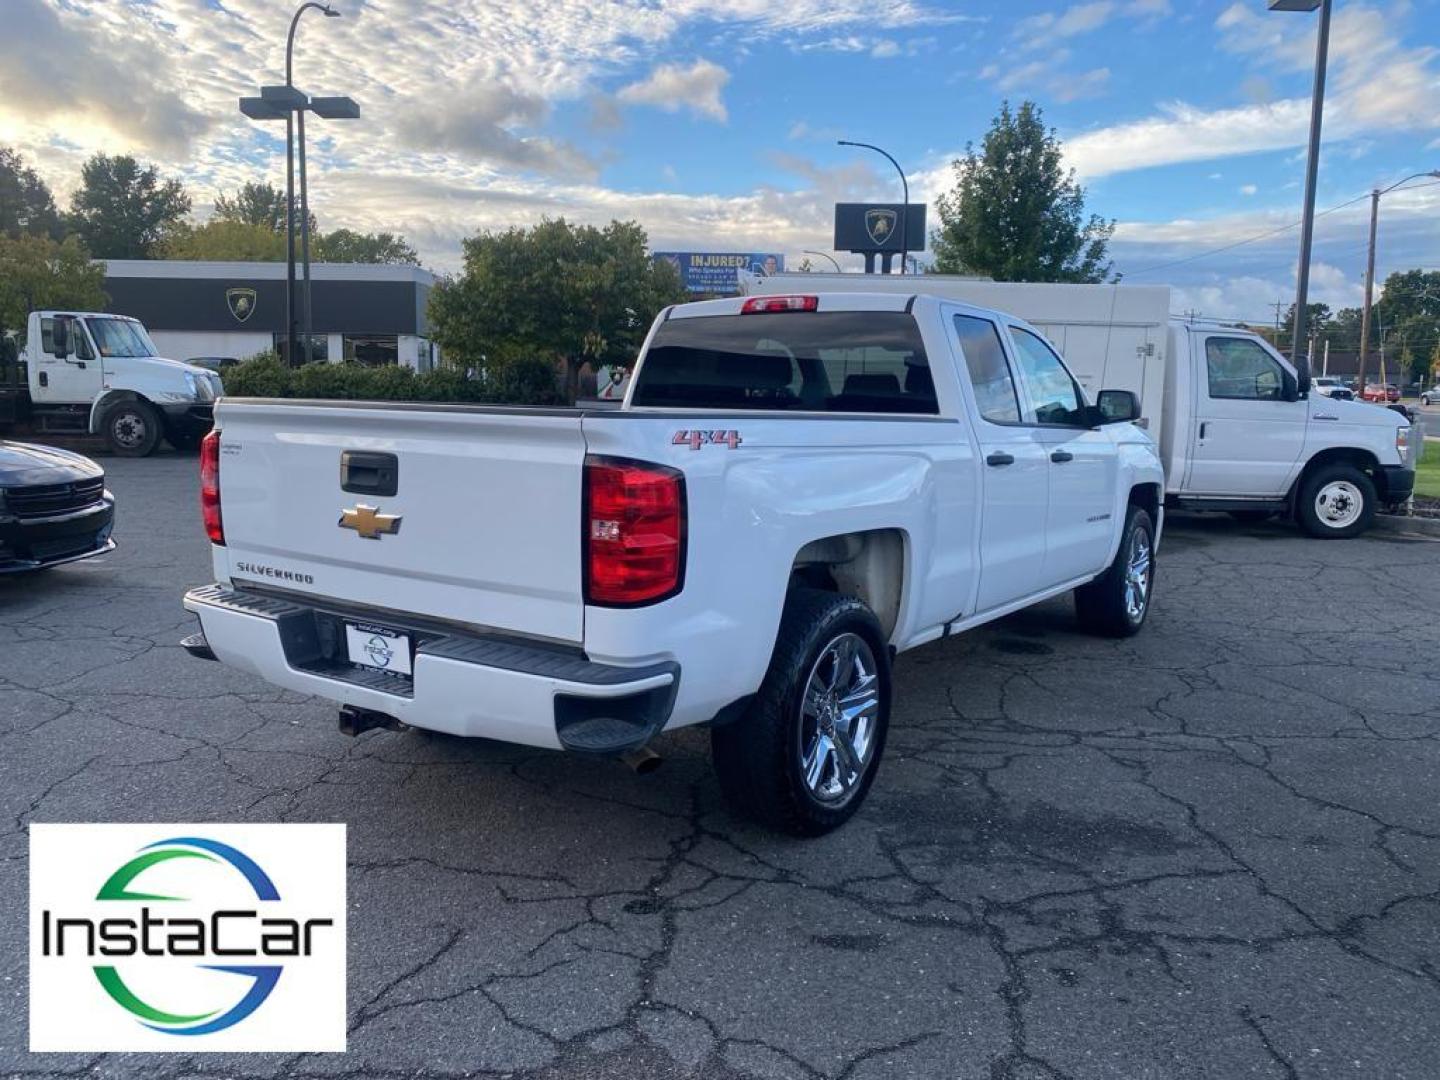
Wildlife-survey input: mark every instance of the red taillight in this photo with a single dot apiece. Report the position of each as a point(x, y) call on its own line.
point(210, 487)
point(779, 303)
point(634, 532)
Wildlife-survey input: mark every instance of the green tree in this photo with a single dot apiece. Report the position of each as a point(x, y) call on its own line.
point(1015, 213)
point(26, 205)
point(224, 241)
point(348, 246)
point(37, 273)
point(124, 211)
point(260, 204)
point(254, 204)
point(565, 294)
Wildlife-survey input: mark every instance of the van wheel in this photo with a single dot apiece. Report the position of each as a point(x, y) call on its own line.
point(131, 429)
point(803, 755)
point(1115, 604)
point(1336, 501)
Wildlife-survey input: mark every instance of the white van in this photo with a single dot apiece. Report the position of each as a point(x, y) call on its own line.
point(1237, 426)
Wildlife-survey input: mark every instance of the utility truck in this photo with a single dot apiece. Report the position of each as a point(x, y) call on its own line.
point(1237, 425)
point(89, 373)
point(794, 489)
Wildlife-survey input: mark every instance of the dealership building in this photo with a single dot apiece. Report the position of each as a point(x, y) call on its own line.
point(367, 313)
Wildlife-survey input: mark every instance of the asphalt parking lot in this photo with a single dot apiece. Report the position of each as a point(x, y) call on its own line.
point(1210, 851)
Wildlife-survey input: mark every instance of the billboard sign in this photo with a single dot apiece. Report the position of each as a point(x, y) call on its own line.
point(714, 271)
point(877, 227)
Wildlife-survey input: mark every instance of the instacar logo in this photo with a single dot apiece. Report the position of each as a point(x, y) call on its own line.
point(188, 943)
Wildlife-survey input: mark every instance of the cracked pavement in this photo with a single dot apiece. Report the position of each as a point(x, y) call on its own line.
point(1209, 851)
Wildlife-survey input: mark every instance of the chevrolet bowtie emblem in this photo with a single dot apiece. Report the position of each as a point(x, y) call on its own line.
point(369, 522)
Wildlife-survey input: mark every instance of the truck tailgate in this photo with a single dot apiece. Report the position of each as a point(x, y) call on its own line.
point(486, 502)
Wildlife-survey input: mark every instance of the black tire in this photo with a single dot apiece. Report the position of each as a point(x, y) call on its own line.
point(758, 757)
point(1103, 606)
point(1323, 506)
point(131, 428)
point(1252, 517)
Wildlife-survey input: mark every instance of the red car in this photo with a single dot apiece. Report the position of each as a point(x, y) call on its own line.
point(1387, 392)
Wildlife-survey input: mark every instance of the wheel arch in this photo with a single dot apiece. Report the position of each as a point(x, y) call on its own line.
point(868, 564)
point(1362, 459)
point(113, 397)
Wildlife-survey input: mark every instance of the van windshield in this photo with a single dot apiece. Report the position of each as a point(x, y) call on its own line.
point(120, 337)
point(827, 361)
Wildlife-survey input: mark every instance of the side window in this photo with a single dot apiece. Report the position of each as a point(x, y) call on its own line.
point(80, 341)
point(47, 336)
point(1239, 369)
point(989, 372)
point(1052, 390)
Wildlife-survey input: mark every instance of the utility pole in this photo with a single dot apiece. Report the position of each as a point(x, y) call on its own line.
point(1279, 306)
point(1369, 292)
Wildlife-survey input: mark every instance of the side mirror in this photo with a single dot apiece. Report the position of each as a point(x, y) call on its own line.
point(60, 338)
point(1117, 407)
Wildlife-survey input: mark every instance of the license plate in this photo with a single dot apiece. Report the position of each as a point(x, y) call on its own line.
point(378, 648)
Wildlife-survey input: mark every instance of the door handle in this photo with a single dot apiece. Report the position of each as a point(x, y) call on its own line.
point(1203, 425)
point(999, 458)
point(1060, 456)
point(365, 473)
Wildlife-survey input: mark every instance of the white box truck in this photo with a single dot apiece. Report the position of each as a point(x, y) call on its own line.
point(1237, 427)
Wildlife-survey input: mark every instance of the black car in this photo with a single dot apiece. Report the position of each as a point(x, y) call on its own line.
point(53, 507)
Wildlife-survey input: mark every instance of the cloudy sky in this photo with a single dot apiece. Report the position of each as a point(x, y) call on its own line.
point(713, 122)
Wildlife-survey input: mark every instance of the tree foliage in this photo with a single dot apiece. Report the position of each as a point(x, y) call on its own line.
point(348, 246)
point(1015, 213)
point(26, 205)
point(37, 273)
point(258, 204)
point(571, 294)
point(123, 210)
point(225, 240)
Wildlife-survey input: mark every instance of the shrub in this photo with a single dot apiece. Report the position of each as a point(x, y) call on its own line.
point(520, 382)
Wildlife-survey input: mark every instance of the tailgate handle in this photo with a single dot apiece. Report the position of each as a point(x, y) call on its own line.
point(364, 472)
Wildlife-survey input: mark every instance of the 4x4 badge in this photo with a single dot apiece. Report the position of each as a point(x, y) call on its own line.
point(696, 439)
point(369, 522)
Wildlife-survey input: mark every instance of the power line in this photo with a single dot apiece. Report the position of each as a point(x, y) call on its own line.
point(1259, 236)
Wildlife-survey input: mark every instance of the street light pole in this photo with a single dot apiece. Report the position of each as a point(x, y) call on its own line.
point(822, 255)
point(1370, 272)
point(299, 121)
point(1312, 164)
point(905, 185)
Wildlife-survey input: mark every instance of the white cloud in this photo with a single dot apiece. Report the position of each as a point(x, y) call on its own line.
point(1377, 85)
point(1047, 28)
point(671, 87)
point(885, 49)
point(1248, 189)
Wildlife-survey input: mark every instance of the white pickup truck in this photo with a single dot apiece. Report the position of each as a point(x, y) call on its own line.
point(1239, 429)
point(87, 372)
point(795, 489)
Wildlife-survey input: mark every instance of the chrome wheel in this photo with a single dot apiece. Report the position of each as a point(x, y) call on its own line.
point(1339, 504)
point(129, 430)
point(839, 717)
point(1137, 575)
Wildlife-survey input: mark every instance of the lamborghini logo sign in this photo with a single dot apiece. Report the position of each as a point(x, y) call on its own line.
point(880, 225)
point(369, 522)
point(241, 303)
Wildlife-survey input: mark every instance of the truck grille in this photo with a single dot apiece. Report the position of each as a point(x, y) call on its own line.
point(46, 500)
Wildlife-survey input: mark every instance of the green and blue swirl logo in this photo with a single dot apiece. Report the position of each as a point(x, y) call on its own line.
point(262, 977)
point(243, 939)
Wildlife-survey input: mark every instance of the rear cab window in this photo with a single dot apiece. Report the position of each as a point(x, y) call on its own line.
point(806, 361)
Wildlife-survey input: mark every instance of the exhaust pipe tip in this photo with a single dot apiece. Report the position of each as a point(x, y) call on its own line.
point(642, 760)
